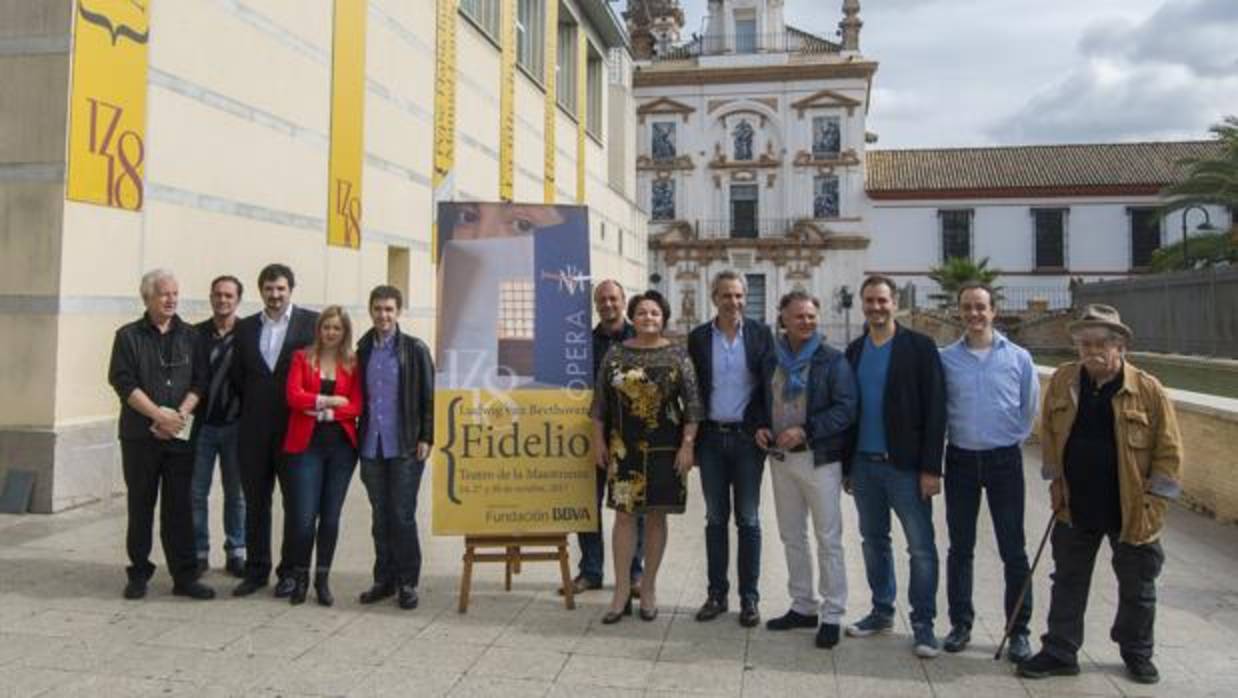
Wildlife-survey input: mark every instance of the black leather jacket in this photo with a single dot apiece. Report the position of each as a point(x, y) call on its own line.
point(416, 389)
point(164, 366)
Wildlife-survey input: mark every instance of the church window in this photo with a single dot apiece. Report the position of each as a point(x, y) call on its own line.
point(663, 200)
point(956, 233)
point(745, 35)
point(825, 196)
point(826, 137)
point(664, 140)
point(743, 135)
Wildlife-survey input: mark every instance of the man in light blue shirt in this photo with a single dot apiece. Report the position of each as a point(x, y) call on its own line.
point(991, 397)
point(728, 353)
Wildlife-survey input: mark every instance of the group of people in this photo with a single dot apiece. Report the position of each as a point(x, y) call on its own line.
point(280, 396)
point(881, 421)
point(284, 396)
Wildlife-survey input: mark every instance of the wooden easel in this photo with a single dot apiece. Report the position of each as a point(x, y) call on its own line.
point(513, 554)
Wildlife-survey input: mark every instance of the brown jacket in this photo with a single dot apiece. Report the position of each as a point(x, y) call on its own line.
point(1149, 446)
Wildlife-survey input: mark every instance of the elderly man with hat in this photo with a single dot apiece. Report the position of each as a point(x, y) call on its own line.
point(1112, 450)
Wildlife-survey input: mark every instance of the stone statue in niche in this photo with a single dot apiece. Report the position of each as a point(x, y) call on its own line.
point(664, 141)
point(663, 200)
point(687, 306)
point(743, 134)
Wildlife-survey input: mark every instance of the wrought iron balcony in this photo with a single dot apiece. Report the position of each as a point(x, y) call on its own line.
point(790, 41)
point(739, 229)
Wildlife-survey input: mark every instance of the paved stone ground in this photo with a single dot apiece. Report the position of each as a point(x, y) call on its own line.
point(64, 629)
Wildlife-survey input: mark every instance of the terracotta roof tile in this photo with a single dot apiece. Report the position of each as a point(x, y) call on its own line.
point(1032, 167)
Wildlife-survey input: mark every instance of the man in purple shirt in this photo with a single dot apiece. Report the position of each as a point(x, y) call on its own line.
point(396, 430)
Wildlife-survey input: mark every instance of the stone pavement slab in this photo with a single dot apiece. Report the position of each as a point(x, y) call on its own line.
point(66, 631)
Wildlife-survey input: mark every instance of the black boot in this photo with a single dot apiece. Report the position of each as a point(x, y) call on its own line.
point(300, 587)
point(323, 589)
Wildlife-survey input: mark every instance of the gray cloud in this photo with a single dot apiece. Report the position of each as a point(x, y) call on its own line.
point(1168, 76)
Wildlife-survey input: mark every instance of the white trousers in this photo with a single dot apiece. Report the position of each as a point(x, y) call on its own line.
point(802, 490)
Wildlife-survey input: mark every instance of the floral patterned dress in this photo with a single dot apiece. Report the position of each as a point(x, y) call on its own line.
point(644, 397)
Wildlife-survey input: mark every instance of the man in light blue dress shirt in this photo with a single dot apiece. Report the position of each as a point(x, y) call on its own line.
point(991, 397)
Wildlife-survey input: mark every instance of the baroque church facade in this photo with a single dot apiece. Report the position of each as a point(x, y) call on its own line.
point(750, 154)
point(753, 155)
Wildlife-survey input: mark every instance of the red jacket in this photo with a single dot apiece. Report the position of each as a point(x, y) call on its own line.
point(303, 386)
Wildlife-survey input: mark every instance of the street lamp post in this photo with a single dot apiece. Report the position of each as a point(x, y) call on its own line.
point(1205, 226)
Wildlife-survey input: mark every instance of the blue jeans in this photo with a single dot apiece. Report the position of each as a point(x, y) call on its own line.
point(730, 460)
point(593, 550)
point(879, 487)
point(999, 472)
point(318, 477)
point(392, 485)
point(218, 441)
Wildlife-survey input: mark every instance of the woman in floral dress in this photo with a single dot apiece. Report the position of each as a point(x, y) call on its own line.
point(645, 411)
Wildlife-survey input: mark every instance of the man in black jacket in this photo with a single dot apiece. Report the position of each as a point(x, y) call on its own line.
point(159, 374)
point(895, 460)
point(397, 429)
point(265, 343)
point(728, 354)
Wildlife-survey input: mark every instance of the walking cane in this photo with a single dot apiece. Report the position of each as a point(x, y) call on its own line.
point(1027, 583)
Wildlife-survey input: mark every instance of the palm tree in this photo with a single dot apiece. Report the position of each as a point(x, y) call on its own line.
point(957, 271)
point(1209, 181)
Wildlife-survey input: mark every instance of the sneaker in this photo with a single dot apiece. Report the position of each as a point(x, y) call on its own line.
point(1140, 669)
point(790, 620)
point(1019, 650)
point(1044, 665)
point(926, 645)
point(871, 624)
point(957, 640)
point(827, 635)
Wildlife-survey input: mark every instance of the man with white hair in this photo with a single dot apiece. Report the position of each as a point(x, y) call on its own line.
point(159, 376)
point(1112, 450)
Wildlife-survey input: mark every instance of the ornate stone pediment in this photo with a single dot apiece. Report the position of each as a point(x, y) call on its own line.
point(675, 231)
point(825, 99)
point(803, 158)
point(664, 105)
point(751, 112)
point(682, 162)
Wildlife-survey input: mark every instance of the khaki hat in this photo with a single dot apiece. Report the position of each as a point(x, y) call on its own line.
point(1100, 315)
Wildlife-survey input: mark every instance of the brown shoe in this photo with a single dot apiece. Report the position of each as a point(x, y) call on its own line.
point(580, 585)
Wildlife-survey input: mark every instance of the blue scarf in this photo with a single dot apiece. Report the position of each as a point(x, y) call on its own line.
point(793, 366)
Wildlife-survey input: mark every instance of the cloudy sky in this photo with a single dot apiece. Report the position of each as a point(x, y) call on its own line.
point(984, 72)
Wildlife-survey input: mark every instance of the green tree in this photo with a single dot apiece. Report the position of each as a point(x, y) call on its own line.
point(1209, 181)
point(1209, 248)
point(957, 271)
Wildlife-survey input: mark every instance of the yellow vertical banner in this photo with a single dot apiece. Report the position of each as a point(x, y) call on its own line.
point(507, 101)
point(347, 122)
point(443, 181)
point(582, 110)
point(551, 110)
point(107, 106)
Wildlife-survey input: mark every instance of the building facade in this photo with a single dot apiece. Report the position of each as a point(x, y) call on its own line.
point(1042, 215)
point(523, 100)
point(751, 150)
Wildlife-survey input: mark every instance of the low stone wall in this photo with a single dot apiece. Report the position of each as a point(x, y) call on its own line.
point(1209, 426)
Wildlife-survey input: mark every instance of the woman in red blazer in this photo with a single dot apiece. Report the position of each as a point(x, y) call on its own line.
point(324, 401)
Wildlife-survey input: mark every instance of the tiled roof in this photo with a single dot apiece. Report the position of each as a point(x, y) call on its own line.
point(1108, 166)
